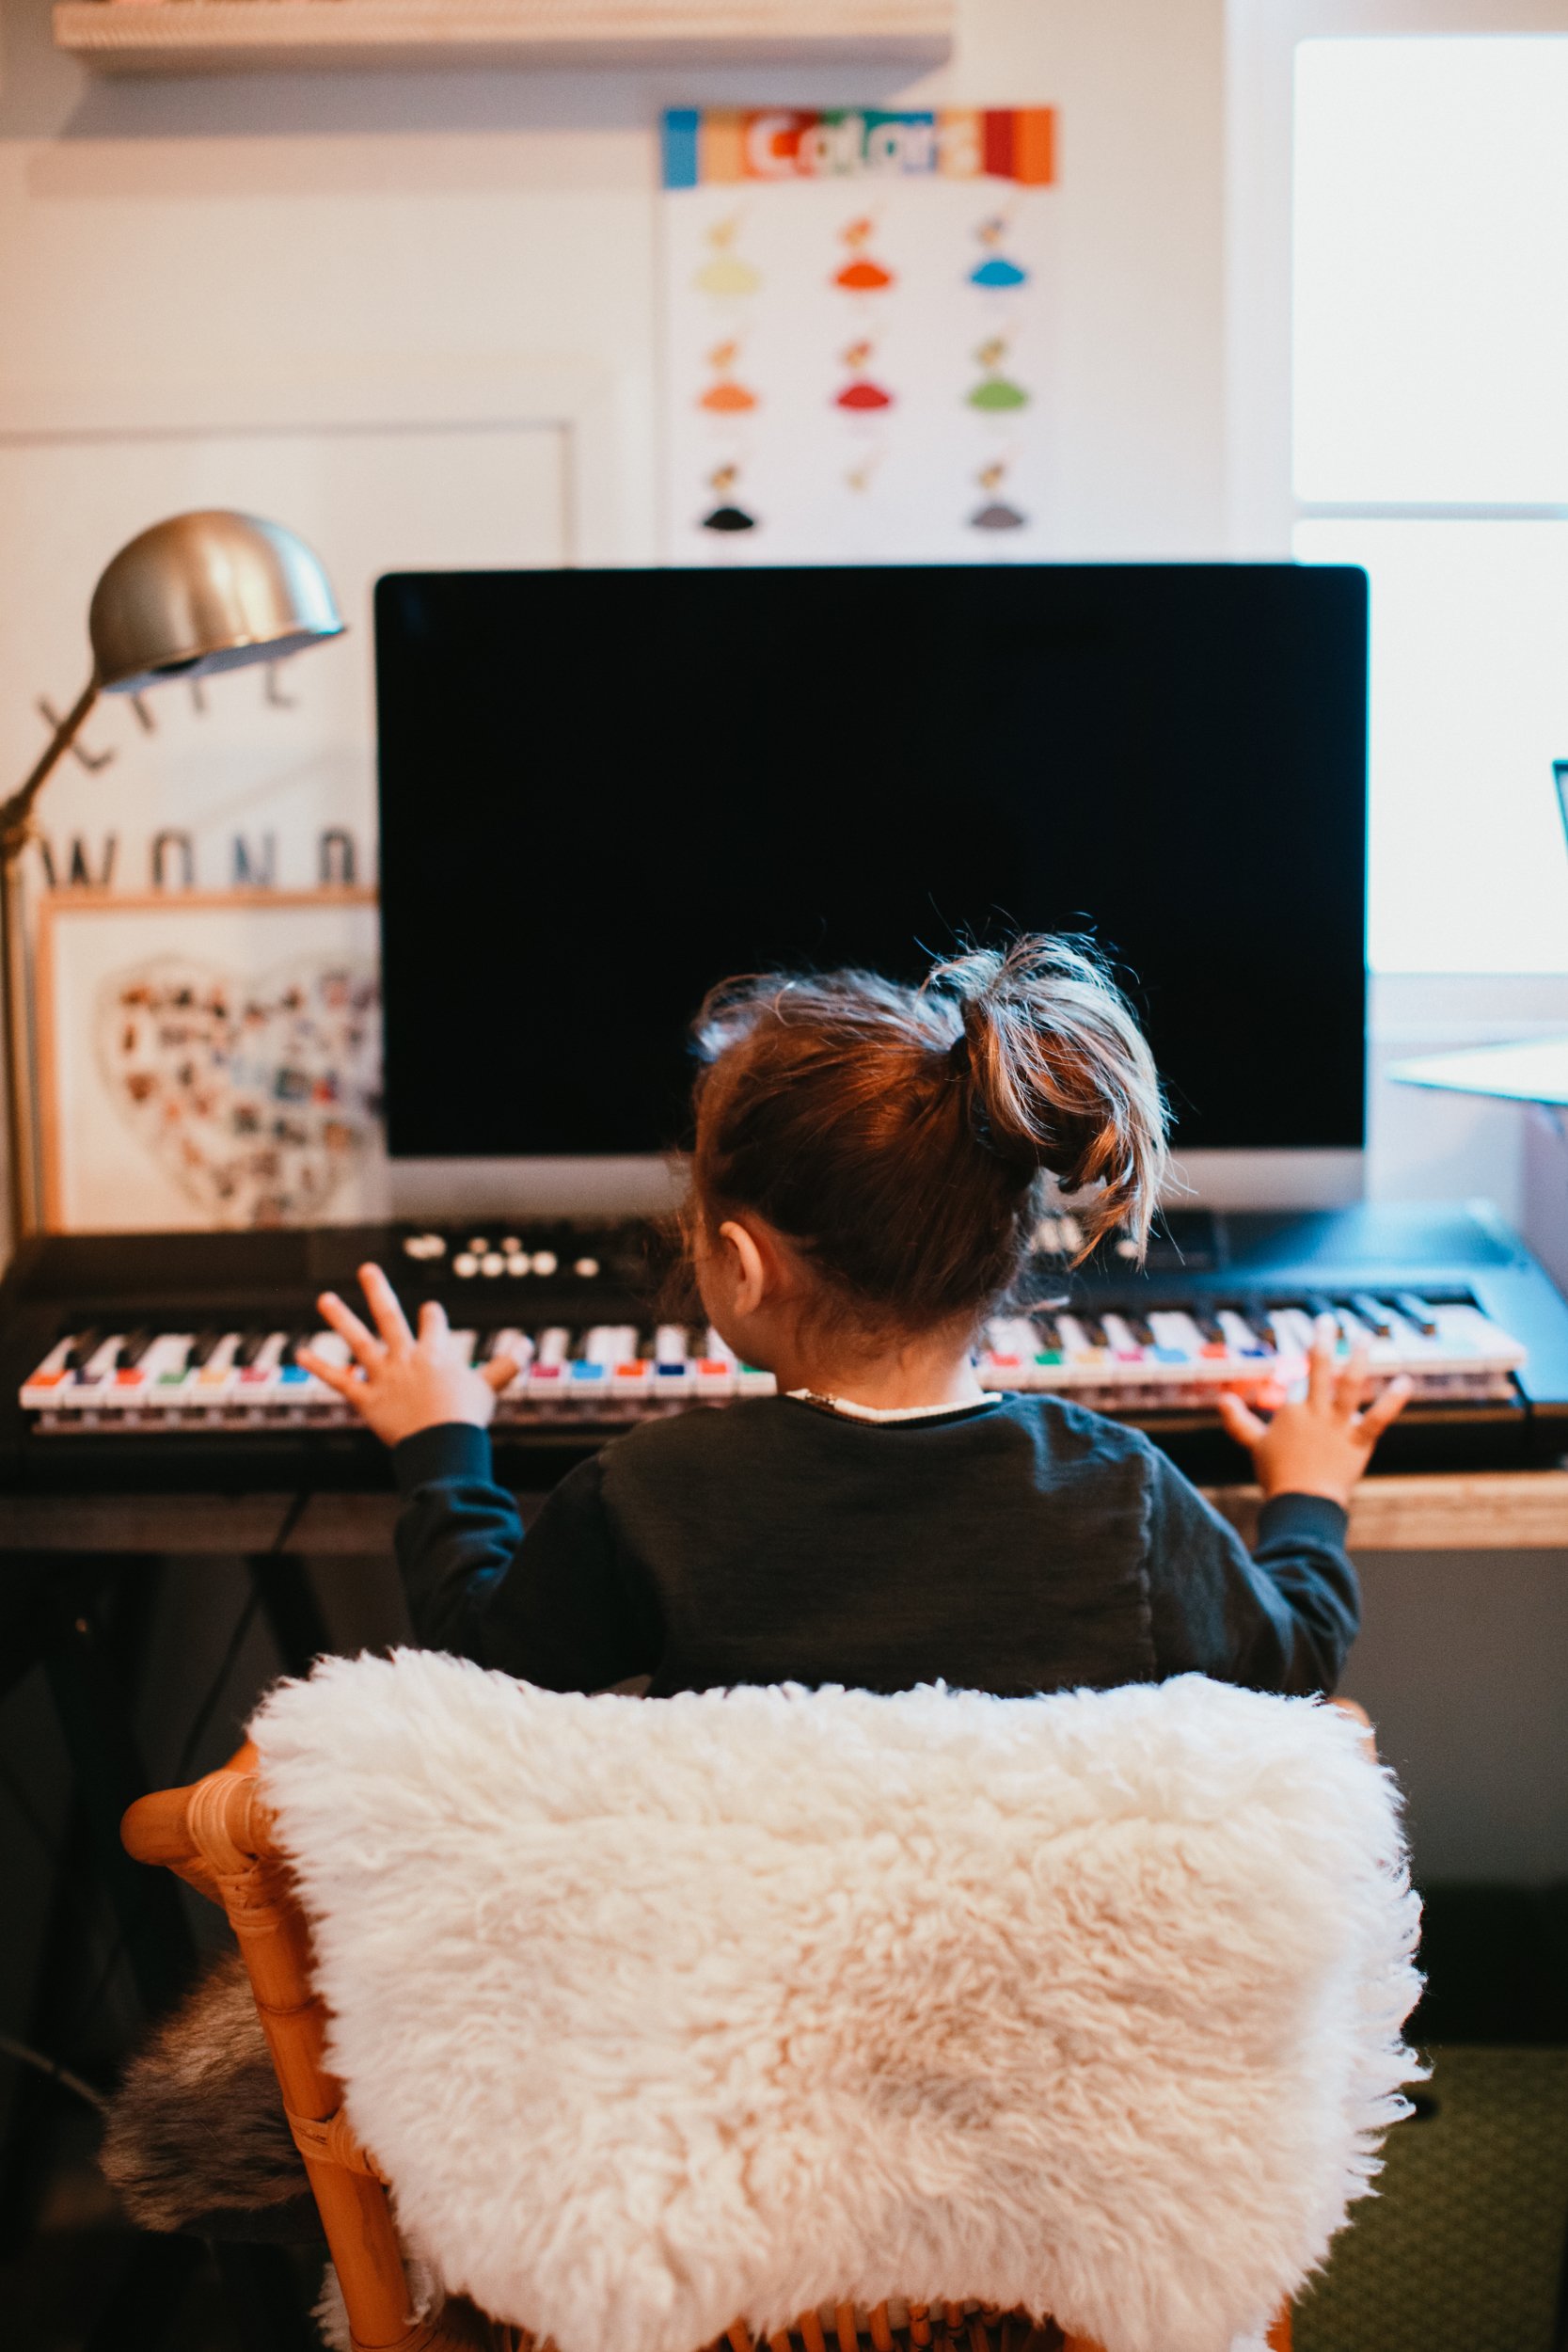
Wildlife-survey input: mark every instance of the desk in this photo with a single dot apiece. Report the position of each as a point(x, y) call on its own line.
point(1474, 1511)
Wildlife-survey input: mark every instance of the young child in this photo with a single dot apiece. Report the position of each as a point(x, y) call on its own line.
point(866, 1176)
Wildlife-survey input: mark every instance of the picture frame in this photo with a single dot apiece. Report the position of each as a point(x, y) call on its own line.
point(208, 1058)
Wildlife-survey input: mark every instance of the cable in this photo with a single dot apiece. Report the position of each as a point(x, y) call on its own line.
point(25, 2056)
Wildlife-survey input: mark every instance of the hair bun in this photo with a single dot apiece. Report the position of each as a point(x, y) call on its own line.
point(1061, 1077)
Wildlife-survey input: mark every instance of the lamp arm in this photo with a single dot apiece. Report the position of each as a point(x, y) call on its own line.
point(16, 815)
point(16, 826)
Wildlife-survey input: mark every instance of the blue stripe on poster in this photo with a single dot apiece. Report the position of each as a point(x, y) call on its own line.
point(680, 146)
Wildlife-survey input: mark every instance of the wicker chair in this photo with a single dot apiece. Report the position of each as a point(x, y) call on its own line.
point(218, 1836)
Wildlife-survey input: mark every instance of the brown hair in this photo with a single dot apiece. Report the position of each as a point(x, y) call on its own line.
point(899, 1137)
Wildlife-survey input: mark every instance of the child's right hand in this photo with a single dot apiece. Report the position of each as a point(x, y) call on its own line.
point(1322, 1445)
point(398, 1384)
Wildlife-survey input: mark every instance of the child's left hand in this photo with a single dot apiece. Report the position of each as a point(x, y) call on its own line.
point(1319, 1444)
point(398, 1384)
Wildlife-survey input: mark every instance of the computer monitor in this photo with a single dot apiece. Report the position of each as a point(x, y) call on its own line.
point(601, 791)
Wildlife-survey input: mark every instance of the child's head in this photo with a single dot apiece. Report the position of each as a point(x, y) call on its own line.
point(895, 1138)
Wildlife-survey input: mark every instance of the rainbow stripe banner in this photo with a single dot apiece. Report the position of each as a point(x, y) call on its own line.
point(723, 146)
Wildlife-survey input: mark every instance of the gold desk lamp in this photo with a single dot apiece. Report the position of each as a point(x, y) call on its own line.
point(200, 593)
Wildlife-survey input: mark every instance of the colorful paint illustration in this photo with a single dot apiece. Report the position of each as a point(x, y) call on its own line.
point(725, 397)
point(858, 335)
point(995, 514)
point(724, 272)
point(726, 516)
point(258, 1099)
point(994, 270)
point(859, 274)
point(995, 393)
point(861, 394)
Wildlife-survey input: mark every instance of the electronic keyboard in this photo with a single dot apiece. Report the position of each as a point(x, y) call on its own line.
point(171, 1359)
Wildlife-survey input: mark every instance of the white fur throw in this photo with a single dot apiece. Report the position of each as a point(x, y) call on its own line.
point(661, 2012)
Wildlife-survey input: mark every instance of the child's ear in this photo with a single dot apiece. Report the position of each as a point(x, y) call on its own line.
point(749, 1266)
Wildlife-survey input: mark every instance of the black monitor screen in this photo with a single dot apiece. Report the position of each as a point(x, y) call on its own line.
point(603, 792)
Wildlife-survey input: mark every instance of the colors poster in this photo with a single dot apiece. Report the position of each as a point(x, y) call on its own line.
point(857, 310)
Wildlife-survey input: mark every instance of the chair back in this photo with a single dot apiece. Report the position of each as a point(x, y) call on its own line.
point(921, 2018)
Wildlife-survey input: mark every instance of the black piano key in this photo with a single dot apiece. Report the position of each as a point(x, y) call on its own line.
point(1142, 1331)
point(1372, 1312)
point(1210, 1326)
point(134, 1347)
point(1416, 1310)
point(1254, 1319)
point(86, 1343)
point(202, 1349)
point(1094, 1331)
point(250, 1346)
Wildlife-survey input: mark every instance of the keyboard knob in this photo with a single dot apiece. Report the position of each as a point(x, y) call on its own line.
point(585, 1268)
point(545, 1262)
point(464, 1266)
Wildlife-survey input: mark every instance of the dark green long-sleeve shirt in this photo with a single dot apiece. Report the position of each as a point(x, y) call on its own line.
point(1019, 1545)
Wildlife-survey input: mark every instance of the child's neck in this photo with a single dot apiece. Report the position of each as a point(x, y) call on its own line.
point(933, 1370)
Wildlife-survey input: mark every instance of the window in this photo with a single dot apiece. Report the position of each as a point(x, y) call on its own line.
point(1430, 444)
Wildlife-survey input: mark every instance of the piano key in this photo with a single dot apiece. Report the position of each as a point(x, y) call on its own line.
point(40, 1390)
point(250, 1346)
point(1244, 1338)
point(609, 1343)
point(81, 1349)
point(95, 1370)
point(201, 1346)
point(1416, 1310)
point(1371, 1314)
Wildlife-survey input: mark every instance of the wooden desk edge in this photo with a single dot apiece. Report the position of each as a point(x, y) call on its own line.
point(1471, 1511)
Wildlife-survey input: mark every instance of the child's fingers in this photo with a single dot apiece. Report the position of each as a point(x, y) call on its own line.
point(501, 1371)
point(434, 1326)
point(366, 1348)
point(1243, 1424)
point(386, 1307)
point(1349, 1391)
point(337, 1377)
point(1319, 1363)
point(1387, 1407)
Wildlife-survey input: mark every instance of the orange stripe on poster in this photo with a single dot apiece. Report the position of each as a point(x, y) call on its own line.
point(1035, 146)
point(960, 142)
point(722, 146)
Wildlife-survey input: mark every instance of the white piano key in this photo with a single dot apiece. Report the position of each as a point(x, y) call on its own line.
point(547, 1373)
point(43, 1390)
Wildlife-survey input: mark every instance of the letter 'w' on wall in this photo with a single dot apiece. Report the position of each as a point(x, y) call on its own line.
point(859, 311)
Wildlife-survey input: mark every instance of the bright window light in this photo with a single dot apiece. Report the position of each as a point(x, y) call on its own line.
point(1431, 271)
point(1470, 707)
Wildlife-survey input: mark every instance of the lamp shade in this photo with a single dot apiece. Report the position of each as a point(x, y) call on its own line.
point(205, 592)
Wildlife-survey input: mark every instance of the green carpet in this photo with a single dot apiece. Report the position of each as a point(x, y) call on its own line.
point(1463, 2246)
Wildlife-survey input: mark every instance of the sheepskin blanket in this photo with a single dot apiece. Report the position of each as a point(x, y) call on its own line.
point(659, 2013)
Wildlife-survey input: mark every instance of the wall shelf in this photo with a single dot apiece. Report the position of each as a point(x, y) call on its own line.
point(264, 36)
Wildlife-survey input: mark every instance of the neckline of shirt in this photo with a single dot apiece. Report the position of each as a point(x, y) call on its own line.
point(846, 1409)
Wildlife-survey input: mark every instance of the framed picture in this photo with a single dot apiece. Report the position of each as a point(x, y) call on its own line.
point(208, 1058)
